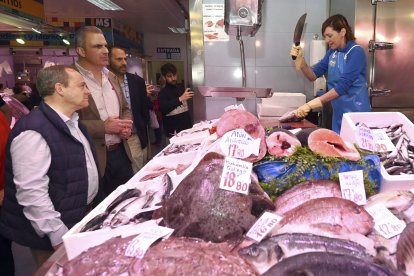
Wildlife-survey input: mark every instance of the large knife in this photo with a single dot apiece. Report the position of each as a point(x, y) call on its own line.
point(298, 31)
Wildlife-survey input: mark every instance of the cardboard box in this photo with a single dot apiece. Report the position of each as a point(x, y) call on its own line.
point(380, 119)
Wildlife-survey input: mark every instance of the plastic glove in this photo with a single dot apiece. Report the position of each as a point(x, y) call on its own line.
point(303, 111)
point(296, 51)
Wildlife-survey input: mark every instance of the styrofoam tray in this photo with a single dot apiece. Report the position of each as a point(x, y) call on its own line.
point(380, 119)
point(272, 110)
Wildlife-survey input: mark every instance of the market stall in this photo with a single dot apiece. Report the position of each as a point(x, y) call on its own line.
point(208, 195)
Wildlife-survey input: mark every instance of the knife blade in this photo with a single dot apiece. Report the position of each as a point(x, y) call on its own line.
point(298, 31)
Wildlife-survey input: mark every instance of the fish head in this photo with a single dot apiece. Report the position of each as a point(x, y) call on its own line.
point(357, 219)
point(262, 255)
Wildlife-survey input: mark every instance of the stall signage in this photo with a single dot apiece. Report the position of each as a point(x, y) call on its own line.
point(383, 143)
point(386, 223)
point(140, 244)
point(239, 144)
point(263, 226)
point(169, 53)
point(236, 175)
point(352, 186)
point(213, 23)
point(28, 8)
point(365, 138)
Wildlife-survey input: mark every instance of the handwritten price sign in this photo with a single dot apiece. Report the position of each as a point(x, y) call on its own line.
point(383, 143)
point(386, 223)
point(352, 186)
point(239, 144)
point(263, 226)
point(365, 138)
point(236, 175)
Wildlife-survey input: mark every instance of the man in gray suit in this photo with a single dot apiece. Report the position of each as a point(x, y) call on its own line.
point(107, 118)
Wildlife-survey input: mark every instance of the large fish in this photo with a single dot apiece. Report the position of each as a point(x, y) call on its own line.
point(274, 249)
point(328, 264)
point(405, 250)
point(332, 214)
point(189, 256)
point(305, 191)
point(282, 143)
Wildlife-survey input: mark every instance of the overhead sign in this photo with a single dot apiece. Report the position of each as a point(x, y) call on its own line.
point(28, 8)
point(169, 53)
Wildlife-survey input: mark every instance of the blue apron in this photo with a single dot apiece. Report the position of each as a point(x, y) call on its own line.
point(356, 98)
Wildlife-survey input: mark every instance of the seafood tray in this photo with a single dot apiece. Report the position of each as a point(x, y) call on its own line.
point(76, 242)
point(381, 119)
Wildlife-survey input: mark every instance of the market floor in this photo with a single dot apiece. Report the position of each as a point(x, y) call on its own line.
point(23, 259)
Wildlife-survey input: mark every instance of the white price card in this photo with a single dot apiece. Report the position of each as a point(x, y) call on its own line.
point(236, 175)
point(263, 226)
point(383, 143)
point(365, 138)
point(140, 244)
point(386, 223)
point(352, 186)
point(239, 144)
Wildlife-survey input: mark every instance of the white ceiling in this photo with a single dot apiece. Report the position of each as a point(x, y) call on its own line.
point(145, 16)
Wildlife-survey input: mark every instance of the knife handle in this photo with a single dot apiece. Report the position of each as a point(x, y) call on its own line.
point(296, 44)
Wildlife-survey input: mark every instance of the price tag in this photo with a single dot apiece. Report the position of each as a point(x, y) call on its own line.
point(383, 143)
point(236, 175)
point(140, 244)
point(263, 226)
point(365, 138)
point(352, 186)
point(239, 144)
point(386, 223)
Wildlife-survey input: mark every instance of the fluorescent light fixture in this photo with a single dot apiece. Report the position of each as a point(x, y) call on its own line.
point(36, 30)
point(106, 5)
point(65, 41)
point(20, 40)
point(177, 30)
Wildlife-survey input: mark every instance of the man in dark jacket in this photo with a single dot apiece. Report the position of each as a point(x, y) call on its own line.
point(51, 171)
point(173, 102)
point(135, 92)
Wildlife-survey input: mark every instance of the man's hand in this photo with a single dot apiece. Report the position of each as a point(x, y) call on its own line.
point(125, 133)
point(188, 94)
point(151, 91)
point(116, 125)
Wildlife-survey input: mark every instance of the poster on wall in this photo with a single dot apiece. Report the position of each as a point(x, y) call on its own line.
point(213, 23)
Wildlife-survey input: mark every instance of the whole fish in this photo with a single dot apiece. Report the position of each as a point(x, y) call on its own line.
point(331, 213)
point(272, 250)
point(400, 203)
point(305, 191)
point(96, 222)
point(328, 264)
point(405, 250)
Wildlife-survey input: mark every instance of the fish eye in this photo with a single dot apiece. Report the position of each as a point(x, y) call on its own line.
point(357, 210)
point(254, 251)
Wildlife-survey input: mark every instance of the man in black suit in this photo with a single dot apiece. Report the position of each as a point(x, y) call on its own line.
point(135, 92)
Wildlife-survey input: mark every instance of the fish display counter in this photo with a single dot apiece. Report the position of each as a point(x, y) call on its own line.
point(190, 211)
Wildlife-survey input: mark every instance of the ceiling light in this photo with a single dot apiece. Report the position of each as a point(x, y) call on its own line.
point(106, 5)
point(20, 40)
point(66, 41)
point(36, 30)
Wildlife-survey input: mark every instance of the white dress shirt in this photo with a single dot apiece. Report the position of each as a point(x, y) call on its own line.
point(105, 99)
point(30, 167)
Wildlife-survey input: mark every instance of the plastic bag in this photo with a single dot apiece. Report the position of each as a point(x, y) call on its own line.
point(153, 120)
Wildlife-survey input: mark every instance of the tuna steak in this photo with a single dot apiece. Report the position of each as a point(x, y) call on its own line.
point(328, 264)
point(305, 191)
point(277, 248)
point(332, 214)
point(234, 119)
point(199, 208)
point(326, 142)
point(189, 256)
point(282, 143)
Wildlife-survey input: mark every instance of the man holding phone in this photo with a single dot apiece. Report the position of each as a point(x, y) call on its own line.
point(173, 102)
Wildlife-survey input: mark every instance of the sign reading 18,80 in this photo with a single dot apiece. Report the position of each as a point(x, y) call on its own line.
point(236, 175)
point(239, 144)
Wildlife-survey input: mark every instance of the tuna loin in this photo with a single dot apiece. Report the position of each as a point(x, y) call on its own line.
point(326, 142)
